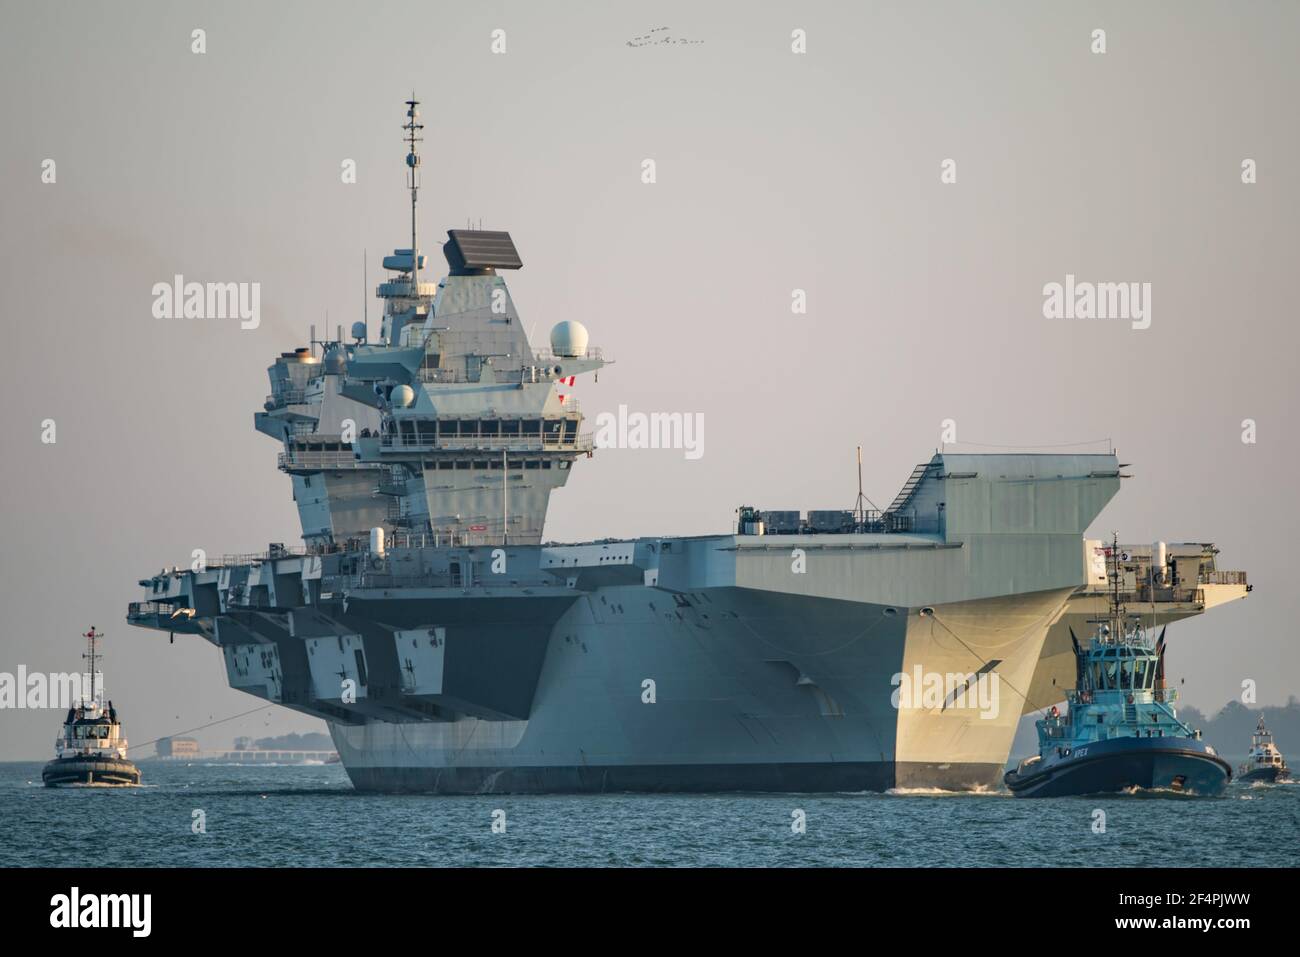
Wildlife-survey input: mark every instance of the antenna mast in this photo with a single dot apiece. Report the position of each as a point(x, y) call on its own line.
point(860, 506)
point(91, 637)
point(1116, 609)
point(413, 137)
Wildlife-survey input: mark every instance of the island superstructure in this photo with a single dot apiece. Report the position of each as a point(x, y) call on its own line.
point(451, 649)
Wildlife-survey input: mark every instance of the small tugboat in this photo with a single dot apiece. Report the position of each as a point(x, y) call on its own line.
point(1264, 762)
point(91, 751)
point(1120, 730)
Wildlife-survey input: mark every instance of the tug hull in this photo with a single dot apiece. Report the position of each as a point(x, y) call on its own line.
point(1122, 764)
point(90, 772)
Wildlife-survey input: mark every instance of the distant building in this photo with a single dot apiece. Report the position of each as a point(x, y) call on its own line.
point(177, 747)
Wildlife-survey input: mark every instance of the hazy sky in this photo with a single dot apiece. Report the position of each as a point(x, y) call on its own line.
point(775, 171)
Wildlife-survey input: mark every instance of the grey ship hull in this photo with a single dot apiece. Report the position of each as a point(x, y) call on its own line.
point(754, 692)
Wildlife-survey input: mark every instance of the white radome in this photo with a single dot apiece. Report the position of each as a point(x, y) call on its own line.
point(569, 338)
point(403, 396)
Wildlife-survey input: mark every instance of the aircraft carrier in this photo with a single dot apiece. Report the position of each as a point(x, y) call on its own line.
point(451, 649)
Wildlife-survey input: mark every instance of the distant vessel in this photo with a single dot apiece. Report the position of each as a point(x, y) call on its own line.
point(1264, 762)
point(91, 750)
point(1120, 729)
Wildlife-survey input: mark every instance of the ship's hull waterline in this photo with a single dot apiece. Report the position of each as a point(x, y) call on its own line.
point(90, 772)
point(1266, 776)
point(1127, 764)
point(751, 691)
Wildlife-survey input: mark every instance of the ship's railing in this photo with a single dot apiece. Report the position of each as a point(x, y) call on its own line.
point(371, 578)
point(1222, 578)
point(432, 376)
point(547, 357)
point(315, 460)
point(868, 521)
point(1146, 593)
point(490, 535)
point(238, 559)
point(499, 443)
point(149, 609)
point(278, 400)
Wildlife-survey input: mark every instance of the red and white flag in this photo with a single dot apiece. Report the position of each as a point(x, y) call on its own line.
point(567, 380)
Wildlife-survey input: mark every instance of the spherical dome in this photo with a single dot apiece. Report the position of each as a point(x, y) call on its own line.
point(569, 338)
point(358, 330)
point(403, 396)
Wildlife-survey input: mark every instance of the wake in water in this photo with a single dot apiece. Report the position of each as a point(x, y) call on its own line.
point(980, 791)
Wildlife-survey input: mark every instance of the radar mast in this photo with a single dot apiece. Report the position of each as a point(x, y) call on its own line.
point(413, 138)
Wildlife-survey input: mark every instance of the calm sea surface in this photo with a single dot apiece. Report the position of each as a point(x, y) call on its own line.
point(310, 816)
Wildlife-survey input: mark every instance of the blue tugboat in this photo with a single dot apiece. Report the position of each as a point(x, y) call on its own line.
point(1120, 730)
